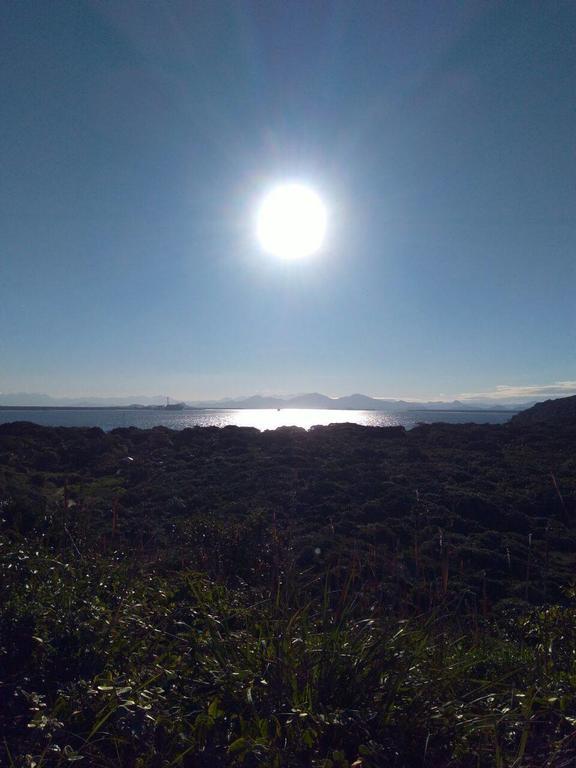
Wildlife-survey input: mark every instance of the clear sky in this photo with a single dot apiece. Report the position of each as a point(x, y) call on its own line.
point(136, 139)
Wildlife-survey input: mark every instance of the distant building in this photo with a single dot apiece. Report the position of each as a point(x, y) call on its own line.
point(174, 406)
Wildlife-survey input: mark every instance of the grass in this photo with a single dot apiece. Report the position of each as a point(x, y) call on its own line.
point(123, 664)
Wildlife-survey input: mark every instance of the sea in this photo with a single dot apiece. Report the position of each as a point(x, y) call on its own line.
point(263, 419)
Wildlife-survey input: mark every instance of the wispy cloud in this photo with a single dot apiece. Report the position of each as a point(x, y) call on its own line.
point(532, 392)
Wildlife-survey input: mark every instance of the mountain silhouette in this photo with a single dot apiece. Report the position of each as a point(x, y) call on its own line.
point(354, 402)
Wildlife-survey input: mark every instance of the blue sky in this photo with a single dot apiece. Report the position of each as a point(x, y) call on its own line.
point(137, 139)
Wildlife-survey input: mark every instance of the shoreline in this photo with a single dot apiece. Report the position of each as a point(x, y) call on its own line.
point(214, 408)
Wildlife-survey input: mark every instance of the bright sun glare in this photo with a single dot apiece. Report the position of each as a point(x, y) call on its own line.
point(291, 221)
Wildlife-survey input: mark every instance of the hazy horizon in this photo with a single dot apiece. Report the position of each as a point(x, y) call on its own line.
point(500, 396)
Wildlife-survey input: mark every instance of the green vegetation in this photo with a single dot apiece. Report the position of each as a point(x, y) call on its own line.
point(344, 597)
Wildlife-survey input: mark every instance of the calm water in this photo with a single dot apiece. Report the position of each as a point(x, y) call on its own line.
point(261, 419)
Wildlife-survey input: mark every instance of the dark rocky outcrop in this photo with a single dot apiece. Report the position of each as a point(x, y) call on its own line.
point(559, 411)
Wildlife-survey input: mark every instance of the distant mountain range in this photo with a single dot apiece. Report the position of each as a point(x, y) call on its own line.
point(352, 402)
point(34, 399)
point(310, 400)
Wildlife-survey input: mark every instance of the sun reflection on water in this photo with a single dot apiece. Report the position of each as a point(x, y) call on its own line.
point(305, 417)
point(262, 419)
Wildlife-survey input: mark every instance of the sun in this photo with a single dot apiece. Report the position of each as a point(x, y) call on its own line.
point(291, 221)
